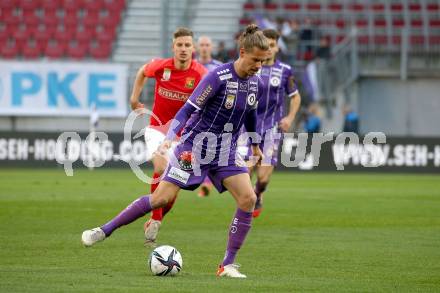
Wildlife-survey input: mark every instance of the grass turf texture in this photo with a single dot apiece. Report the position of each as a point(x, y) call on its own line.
point(318, 232)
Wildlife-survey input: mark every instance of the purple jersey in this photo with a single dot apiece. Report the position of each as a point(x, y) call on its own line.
point(278, 82)
point(224, 101)
point(211, 65)
point(220, 105)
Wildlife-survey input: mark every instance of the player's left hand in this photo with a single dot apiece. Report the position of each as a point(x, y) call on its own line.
point(285, 124)
point(163, 148)
point(136, 105)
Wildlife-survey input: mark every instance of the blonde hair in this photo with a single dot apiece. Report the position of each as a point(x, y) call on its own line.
point(253, 37)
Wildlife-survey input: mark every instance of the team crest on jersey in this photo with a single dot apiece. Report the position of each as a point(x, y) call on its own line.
point(275, 81)
point(166, 74)
point(229, 101)
point(185, 160)
point(189, 82)
point(251, 99)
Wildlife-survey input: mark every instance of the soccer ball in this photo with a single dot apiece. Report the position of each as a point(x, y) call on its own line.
point(165, 260)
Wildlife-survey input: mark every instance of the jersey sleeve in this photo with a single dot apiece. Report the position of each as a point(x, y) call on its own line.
point(291, 88)
point(151, 68)
point(251, 120)
point(205, 90)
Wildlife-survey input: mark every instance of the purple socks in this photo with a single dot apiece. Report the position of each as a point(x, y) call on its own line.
point(135, 210)
point(241, 223)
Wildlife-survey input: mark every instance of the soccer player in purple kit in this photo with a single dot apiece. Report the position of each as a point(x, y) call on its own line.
point(279, 83)
point(224, 100)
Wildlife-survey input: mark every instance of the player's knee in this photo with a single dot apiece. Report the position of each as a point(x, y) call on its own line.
point(248, 200)
point(158, 201)
point(252, 199)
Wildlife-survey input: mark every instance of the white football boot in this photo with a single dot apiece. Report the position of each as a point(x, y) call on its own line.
point(90, 237)
point(151, 229)
point(230, 271)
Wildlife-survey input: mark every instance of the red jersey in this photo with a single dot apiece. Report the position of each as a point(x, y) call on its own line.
point(173, 87)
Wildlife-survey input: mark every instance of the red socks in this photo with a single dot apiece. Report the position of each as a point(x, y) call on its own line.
point(157, 213)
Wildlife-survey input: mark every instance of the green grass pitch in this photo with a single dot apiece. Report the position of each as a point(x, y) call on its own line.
point(318, 232)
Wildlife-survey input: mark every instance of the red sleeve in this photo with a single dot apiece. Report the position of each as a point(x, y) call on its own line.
point(151, 68)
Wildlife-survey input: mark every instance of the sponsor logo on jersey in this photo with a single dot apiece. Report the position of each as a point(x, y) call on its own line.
point(275, 81)
point(189, 82)
point(201, 99)
point(172, 95)
point(232, 85)
point(178, 175)
point(253, 88)
point(166, 74)
point(253, 82)
point(225, 76)
point(229, 101)
point(185, 160)
point(243, 86)
point(251, 99)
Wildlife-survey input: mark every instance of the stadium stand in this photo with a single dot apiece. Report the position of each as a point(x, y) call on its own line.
point(379, 24)
point(74, 29)
point(139, 34)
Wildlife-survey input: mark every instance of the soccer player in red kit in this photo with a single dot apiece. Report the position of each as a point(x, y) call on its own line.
point(176, 78)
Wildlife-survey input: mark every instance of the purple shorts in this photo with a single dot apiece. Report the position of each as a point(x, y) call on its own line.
point(180, 170)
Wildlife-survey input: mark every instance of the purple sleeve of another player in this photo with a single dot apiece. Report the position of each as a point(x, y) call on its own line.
point(251, 121)
point(205, 90)
point(291, 88)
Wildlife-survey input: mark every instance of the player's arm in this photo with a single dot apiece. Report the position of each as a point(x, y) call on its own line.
point(139, 83)
point(205, 90)
point(295, 103)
